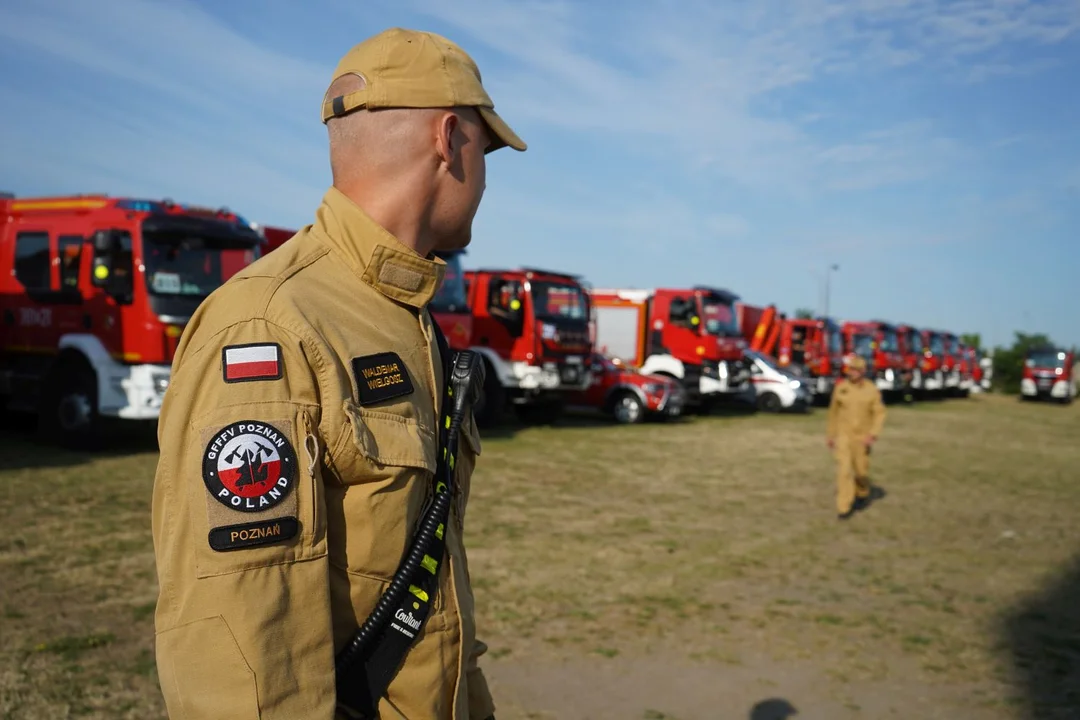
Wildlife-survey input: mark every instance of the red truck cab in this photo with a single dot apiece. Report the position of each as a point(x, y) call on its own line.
point(933, 363)
point(951, 362)
point(878, 344)
point(912, 353)
point(95, 292)
point(450, 306)
point(626, 395)
point(1049, 375)
point(691, 335)
point(532, 328)
point(812, 347)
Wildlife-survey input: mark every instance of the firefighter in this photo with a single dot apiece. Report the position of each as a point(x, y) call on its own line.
point(855, 421)
point(299, 434)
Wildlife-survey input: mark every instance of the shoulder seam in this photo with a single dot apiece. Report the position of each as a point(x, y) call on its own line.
point(302, 262)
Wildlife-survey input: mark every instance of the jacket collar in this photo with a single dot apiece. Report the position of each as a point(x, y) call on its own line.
point(376, 256)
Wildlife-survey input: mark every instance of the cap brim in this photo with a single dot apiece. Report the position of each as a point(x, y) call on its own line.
point(504, 136)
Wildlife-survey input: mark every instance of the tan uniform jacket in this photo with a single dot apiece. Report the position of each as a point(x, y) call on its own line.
point(298, 444)
point(855, 410)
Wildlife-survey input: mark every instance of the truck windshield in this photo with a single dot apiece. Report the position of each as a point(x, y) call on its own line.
point(179, 264)
point(556, 301)
point(864, 346)
point(451, 296)
point(914, 342)
point(888, 341)
point(936, 345)
point(836, 342)
point(1046, 359)
point(720, 318)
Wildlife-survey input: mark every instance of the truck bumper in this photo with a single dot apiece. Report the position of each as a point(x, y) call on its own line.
point(132, 392)
point(934, 381)
point(550, 377)
point(824, 385)
point(888, 381)
point(1058, 390)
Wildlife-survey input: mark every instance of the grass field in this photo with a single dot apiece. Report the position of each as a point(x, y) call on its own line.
point(685, 570)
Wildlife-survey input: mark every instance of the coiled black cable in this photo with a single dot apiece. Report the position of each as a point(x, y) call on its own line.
point(466, 377)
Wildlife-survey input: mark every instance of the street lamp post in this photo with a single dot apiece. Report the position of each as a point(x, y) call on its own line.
point(828, 274)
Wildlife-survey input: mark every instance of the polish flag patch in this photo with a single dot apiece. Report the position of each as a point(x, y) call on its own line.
point(243, 363)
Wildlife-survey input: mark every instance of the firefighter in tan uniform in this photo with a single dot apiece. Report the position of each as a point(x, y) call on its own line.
point(856, 418)
point(299, 433)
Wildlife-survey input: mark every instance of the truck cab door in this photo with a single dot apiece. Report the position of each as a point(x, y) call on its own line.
point(112, 279)
point(682, 326)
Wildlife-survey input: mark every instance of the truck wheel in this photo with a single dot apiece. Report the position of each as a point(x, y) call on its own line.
point(627, 408)
point(69, 412)
point(490, 406)
point(769, 402)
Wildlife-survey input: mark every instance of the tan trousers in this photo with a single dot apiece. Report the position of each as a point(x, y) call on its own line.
point(852, 472)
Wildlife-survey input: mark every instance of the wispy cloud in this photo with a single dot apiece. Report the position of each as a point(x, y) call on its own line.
point(203, 112)
point(703, 77)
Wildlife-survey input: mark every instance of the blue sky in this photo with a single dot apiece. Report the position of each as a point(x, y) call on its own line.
point(928, 147)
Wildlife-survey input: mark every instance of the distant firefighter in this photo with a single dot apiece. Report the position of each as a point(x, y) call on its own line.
point(856, 418)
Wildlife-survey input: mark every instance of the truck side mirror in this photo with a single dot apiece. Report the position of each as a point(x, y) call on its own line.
point(112, 268)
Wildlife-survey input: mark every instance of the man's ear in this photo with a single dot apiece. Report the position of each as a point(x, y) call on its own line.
point(449, 137)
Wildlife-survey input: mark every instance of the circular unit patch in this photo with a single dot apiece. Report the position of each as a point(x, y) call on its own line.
point(249, 466)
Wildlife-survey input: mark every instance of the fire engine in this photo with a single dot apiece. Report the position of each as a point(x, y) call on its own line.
point(876, 341)
point(94, 294)
point(532, 328)
point(949, 362)
point(450, 306)
point(273, 237)
point(910, 345)
point(1048, 374)
point(933, 364)
point(813, 346)
point(691, 335)
point(966, 369)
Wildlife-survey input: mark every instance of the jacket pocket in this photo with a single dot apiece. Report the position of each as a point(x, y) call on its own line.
point(204, 674)
point(375, 445)
point(281, 444)
point(384, 465)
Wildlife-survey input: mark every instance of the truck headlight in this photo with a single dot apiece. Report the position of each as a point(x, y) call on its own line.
point(794, 384)
point(160, 382)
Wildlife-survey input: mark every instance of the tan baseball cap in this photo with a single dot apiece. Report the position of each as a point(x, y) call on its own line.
point(856, 362)
point(408, 68)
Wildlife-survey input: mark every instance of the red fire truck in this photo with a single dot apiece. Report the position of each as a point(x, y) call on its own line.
point(876, 341)
point(94, 294)
point(691, 335)
point(1048, 375)
point(933, 364)
point(950, 364)
point(532, 328)
point(274, 237)
point(913, 361)
point(450, 306)
point(813, 346)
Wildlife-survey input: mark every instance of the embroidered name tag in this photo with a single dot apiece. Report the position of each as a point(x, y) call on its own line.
point(263, 532)
point(380, 377)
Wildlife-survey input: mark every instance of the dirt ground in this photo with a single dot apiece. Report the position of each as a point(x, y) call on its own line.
point(683, 570)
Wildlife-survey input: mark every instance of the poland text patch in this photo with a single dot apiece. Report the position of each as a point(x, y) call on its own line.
point(380, 377)
point(244, 363)
point(249, 466)
point(263, 532)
